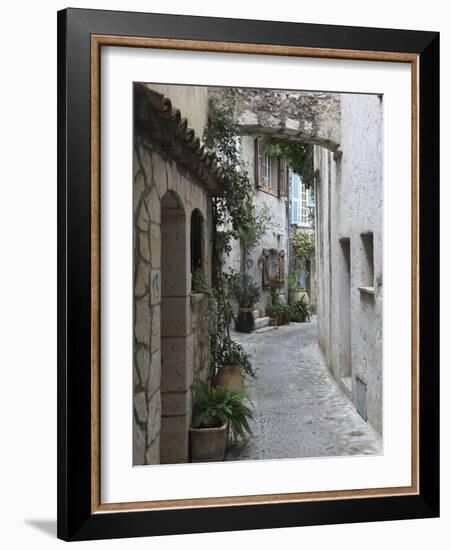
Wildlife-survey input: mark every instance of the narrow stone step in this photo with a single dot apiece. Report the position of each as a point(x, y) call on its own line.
point(261, 322)
point(265, 329)
point(256, 313)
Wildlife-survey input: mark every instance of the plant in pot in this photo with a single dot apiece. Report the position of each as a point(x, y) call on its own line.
point(286, 314)
point(232, 364)
point(299, 312)
point(296, 292)
point(302, 247)
point(276, 310)
point(241, 286)
point(214, 411)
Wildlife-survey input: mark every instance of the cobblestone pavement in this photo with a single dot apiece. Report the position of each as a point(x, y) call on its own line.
point(299, 409)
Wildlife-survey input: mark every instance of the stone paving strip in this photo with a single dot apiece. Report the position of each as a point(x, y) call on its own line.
point(300, 411)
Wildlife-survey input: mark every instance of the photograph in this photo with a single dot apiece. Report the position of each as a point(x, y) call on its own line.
point(257, 273)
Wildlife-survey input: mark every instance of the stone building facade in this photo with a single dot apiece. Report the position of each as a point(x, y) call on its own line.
point(173, 182)
point(349, 195)
point(270, 257)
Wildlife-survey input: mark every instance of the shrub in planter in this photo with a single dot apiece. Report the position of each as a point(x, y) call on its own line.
point(286, 314)
point(297, 295)
point(295, 292)
point(275, 311)
point(234, 363)
point(208, 444)
point(214, 410)
point(279, 312)
point(299, 312)
point(241, 286)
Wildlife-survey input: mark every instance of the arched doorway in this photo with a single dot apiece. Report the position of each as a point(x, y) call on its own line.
point(176, 359)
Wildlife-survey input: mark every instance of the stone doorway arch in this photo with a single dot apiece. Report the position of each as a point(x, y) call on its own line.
point(176, 345)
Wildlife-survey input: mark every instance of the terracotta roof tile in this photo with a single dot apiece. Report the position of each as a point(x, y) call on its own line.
point(161, 125)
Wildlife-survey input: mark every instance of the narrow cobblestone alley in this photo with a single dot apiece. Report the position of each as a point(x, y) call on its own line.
point(299, 409)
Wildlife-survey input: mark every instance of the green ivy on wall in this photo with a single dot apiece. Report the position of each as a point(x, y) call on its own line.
point(298, 155)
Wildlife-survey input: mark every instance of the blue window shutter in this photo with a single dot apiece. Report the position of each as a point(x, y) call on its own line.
point(295, 199)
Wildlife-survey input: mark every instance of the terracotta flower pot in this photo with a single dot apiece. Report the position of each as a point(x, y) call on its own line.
point(208, 444)
point(229, 376)
point(275, 320)
point(296, 295)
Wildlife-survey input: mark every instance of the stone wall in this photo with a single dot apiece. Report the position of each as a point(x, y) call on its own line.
point(147, 349)
point(201, 336)
point(166, 355)
point(310, 117)
point(349, 207)
point(276, 236)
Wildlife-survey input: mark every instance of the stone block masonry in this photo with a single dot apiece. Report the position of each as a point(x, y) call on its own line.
point(170, 325)
point(200, 336)
point(147, 352)
point(310, 117)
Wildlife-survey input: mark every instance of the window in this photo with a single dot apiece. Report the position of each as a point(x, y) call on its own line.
point(299, 201)
point(266, 169)
point(196, 240)
point(304, 208)
point(295, 199)
point(269, 175)
point(270, 172)
point(310, 198)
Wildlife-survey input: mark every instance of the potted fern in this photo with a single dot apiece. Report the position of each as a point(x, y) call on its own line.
point(278, 311)
point(214, 411)
point(299, 312)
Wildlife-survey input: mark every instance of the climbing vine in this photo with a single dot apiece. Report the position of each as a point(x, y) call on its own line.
point(234, 217)
point(256, 227)
point(233, 208)
point(298, 155)
point(234, 212)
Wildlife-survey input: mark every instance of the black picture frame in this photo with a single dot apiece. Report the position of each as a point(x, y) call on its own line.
point(75, 518)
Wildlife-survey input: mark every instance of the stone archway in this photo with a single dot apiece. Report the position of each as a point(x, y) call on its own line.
point(309, 117)
point(176, 346)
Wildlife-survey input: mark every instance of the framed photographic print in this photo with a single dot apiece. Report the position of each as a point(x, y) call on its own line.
point(248, 274)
